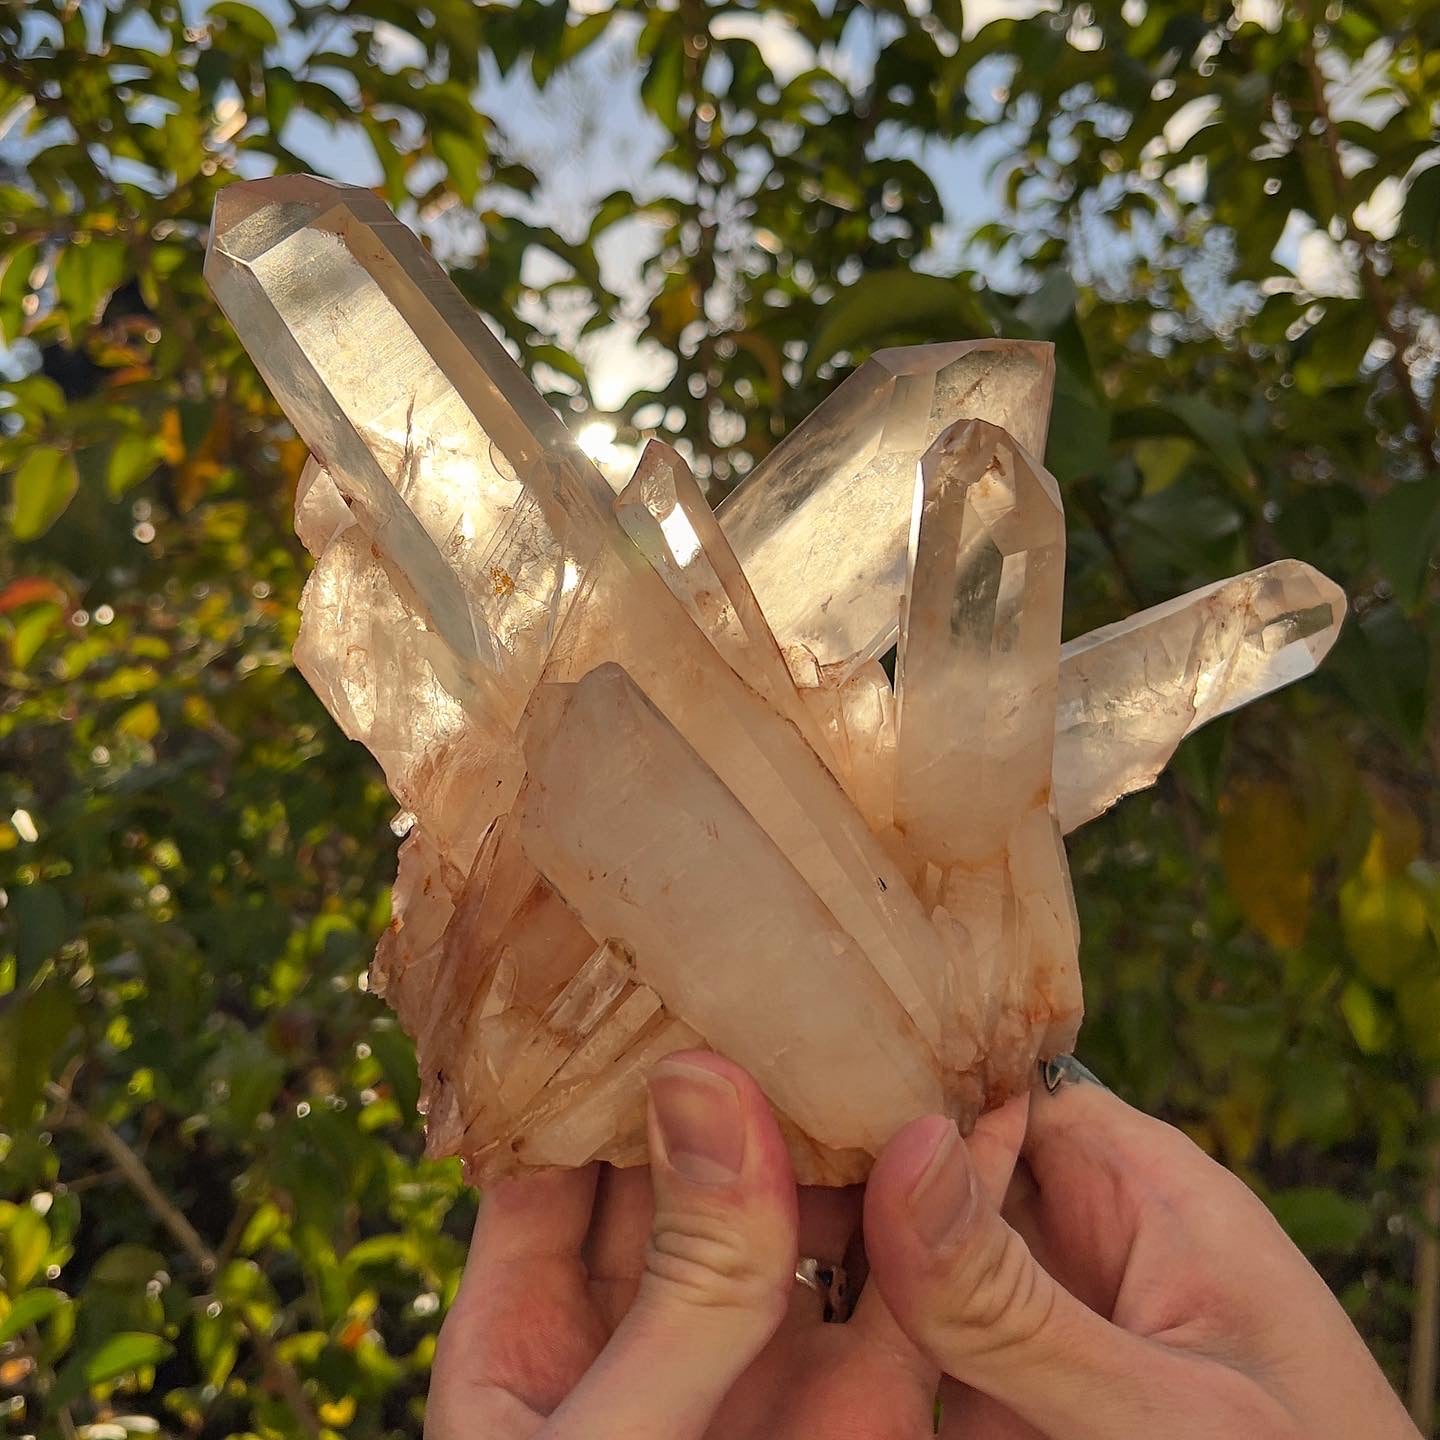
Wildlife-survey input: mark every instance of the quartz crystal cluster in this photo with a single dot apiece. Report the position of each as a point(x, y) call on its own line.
point(658, 790)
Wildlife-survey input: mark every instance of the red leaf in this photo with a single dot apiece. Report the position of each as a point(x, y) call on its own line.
point(28, 590)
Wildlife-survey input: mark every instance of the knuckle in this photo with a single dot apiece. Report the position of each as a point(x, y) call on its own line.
point(711, 1261)
point(998, 1298)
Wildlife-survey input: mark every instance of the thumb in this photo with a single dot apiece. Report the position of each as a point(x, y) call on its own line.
point(966, 1289)
point(720, 1266)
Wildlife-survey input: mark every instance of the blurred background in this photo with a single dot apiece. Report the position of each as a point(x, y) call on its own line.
point(688, 219)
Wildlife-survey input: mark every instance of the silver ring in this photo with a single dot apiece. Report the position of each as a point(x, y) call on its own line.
point(1062, 1069)
point(829, 1282)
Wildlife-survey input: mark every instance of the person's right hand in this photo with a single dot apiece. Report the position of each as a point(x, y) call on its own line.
point(1132, 1289)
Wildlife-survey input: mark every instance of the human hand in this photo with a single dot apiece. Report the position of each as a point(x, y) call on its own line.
point(1132, 1288)
point(594, 1306)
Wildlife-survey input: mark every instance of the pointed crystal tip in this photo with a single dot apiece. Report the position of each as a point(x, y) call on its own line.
point(251, 216)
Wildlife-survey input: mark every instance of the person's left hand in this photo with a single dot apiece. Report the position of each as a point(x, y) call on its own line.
point(634, 1303)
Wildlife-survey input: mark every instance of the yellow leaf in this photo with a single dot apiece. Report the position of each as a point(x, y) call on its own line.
point(293, 454)
point(1384, 917)
point(1239, 1122)
point(1397, 838)
point(337, 1412)
point(1263, 846)
point(172, 446)
point(142, 721)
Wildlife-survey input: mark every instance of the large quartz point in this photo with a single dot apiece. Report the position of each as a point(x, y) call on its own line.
point(656, 788)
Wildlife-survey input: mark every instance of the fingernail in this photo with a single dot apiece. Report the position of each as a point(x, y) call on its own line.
point(943, 1198)
point(700, 1122)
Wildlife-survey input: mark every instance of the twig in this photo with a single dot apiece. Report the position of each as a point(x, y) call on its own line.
point(1093, 504)
point(1425, 1324)
point(139, 1178)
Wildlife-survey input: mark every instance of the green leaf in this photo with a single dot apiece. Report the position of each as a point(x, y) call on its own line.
point(664, 76)
point(243, 1076)
point(215, 1347)
point(30, 1309)
point(1371, 1025)
point(31, 632)
point(246, 19)
point(1079, 442)
point(112, 1359)
point(26, 1239)
point(41, 489)
point(34, 1026)
point(15, 288)
point(1045, 310)
point(464, 162)
point(133, 459)
point(1332, 350)
point(40, 927)
point(1383, 664)
point(1215, 430)
point(280, 93)
point(85, 276)
point(889, 304)
point(1404, 526)
point(1386, 923)
point(1420, 215)
point(1320, 1220)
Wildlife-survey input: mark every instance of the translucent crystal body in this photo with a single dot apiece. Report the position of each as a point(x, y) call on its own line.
point(658, 790)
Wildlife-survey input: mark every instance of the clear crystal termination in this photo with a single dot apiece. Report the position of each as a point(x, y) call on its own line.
point(658, 791)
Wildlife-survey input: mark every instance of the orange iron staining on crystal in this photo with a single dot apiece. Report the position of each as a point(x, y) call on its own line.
point(657, 791)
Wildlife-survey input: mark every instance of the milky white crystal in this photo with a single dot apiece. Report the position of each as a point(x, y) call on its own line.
point(663, 792)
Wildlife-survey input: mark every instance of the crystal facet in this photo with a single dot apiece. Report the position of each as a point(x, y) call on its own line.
point(820, 524)
point(656, 789)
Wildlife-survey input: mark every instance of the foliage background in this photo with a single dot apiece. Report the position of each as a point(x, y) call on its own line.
point(214, 1218)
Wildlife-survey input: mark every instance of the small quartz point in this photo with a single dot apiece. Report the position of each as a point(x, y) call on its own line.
point(657, 790)
point(820, 525)
point(668, 519)
point(656, 848)
point(1132, 691)
point(976, 682)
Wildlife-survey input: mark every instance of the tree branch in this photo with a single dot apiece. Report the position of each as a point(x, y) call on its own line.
point(1425, 1322)
point(137, 1175)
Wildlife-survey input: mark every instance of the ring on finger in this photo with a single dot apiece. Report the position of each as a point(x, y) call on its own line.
point(829, 1282)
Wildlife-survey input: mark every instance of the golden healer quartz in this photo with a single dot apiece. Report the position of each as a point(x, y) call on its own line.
point(660, 791)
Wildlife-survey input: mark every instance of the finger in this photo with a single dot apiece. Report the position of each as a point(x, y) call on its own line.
point(994, 1146)
point(521, 1331)
point(874, 1328)
point(541, 1215)
point(1112, 1185)
point(964, 1286)
point(1077, 1109)
point(615, 1250)
point(625, 1209)
point(720, 1264)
